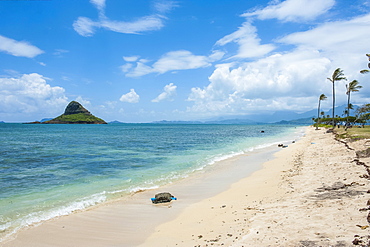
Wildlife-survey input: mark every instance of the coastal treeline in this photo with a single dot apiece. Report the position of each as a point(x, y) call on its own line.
point(361, 114)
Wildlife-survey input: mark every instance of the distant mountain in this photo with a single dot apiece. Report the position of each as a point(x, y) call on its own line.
point(115, 121)
point(302, 121)
point(177, 122)
point(45, 119)
point(232, 121)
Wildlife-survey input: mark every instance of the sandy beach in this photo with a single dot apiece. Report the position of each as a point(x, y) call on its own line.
point(314, 192)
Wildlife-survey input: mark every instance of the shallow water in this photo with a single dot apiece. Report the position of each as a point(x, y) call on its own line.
point(52, 170)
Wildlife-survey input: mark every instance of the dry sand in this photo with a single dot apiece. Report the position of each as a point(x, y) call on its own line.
point(311, 194)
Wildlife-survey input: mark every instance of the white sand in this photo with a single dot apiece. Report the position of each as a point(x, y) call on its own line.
point(290, 202)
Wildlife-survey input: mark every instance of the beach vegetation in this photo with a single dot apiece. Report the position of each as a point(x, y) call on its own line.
point(336, 76)
point(354, 133)
point(363, 113)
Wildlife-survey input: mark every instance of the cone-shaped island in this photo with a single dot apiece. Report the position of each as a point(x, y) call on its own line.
point(75, 113)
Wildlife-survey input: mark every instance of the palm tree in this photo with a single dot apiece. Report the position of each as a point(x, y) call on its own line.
point(353, 86)
point(337, 76)
point(322, 97)
point(364, 71)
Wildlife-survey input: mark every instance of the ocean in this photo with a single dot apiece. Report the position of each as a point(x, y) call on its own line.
point(47, 171)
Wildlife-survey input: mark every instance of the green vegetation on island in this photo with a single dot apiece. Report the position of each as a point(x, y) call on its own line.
point(79, 118)
point(74, 113)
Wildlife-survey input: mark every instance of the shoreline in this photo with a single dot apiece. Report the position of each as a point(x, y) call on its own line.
point(202, 184)
point(313, 193)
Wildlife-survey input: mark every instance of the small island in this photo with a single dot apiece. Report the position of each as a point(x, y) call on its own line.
point(74, 113)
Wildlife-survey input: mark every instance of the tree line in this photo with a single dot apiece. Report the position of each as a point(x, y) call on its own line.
point(362, 114)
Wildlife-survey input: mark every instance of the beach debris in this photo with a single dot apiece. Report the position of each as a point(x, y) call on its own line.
point(163, 197)
point(363, 227)
point(282, 145)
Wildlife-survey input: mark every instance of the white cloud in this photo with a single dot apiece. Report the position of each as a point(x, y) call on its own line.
point(100, 4)
point(277, 78)
point(18, 48)
point(131, 97)
point(248, 41)
point(293, 10)
point(143, 24)
point(86, 27)
point(59, 52)
point(83, 101)
point(172, 61)
point(180, 60)
point(169, 92)
point(351, 35)
point(340, 41)
point(30, 93)
point(131, 59)
point(163, 6)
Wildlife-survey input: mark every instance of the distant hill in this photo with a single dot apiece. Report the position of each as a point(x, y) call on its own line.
point(302, 121)
point(279, 117)
point(232, 121)
point(115, 121)
point(177, 122)
point(74, 113)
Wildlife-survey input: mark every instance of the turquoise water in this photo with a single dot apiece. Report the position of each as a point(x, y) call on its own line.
point(51, 170)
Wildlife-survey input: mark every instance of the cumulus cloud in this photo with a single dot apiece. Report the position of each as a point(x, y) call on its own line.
point(30, 93)
point(87, 27)
point(248, 41)
point(18, 48)
point(131, 97)
point(293, 10)
point(169, 92)
point(263, 83)
point(172, 61)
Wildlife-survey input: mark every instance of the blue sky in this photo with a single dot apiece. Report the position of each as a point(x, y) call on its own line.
point(150, 60)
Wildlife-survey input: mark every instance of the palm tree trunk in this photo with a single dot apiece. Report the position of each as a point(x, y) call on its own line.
point(318, 116)
point(349, 96)
point(333, 105)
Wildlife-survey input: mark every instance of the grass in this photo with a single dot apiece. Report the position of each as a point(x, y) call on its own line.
point(354, 133)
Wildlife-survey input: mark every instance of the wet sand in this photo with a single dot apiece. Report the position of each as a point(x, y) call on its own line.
point(311, 193)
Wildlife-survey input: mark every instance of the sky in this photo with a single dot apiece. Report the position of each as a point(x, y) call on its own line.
point(151, 60)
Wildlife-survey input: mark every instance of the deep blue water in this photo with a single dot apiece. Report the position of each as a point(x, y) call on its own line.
point(52, 170)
